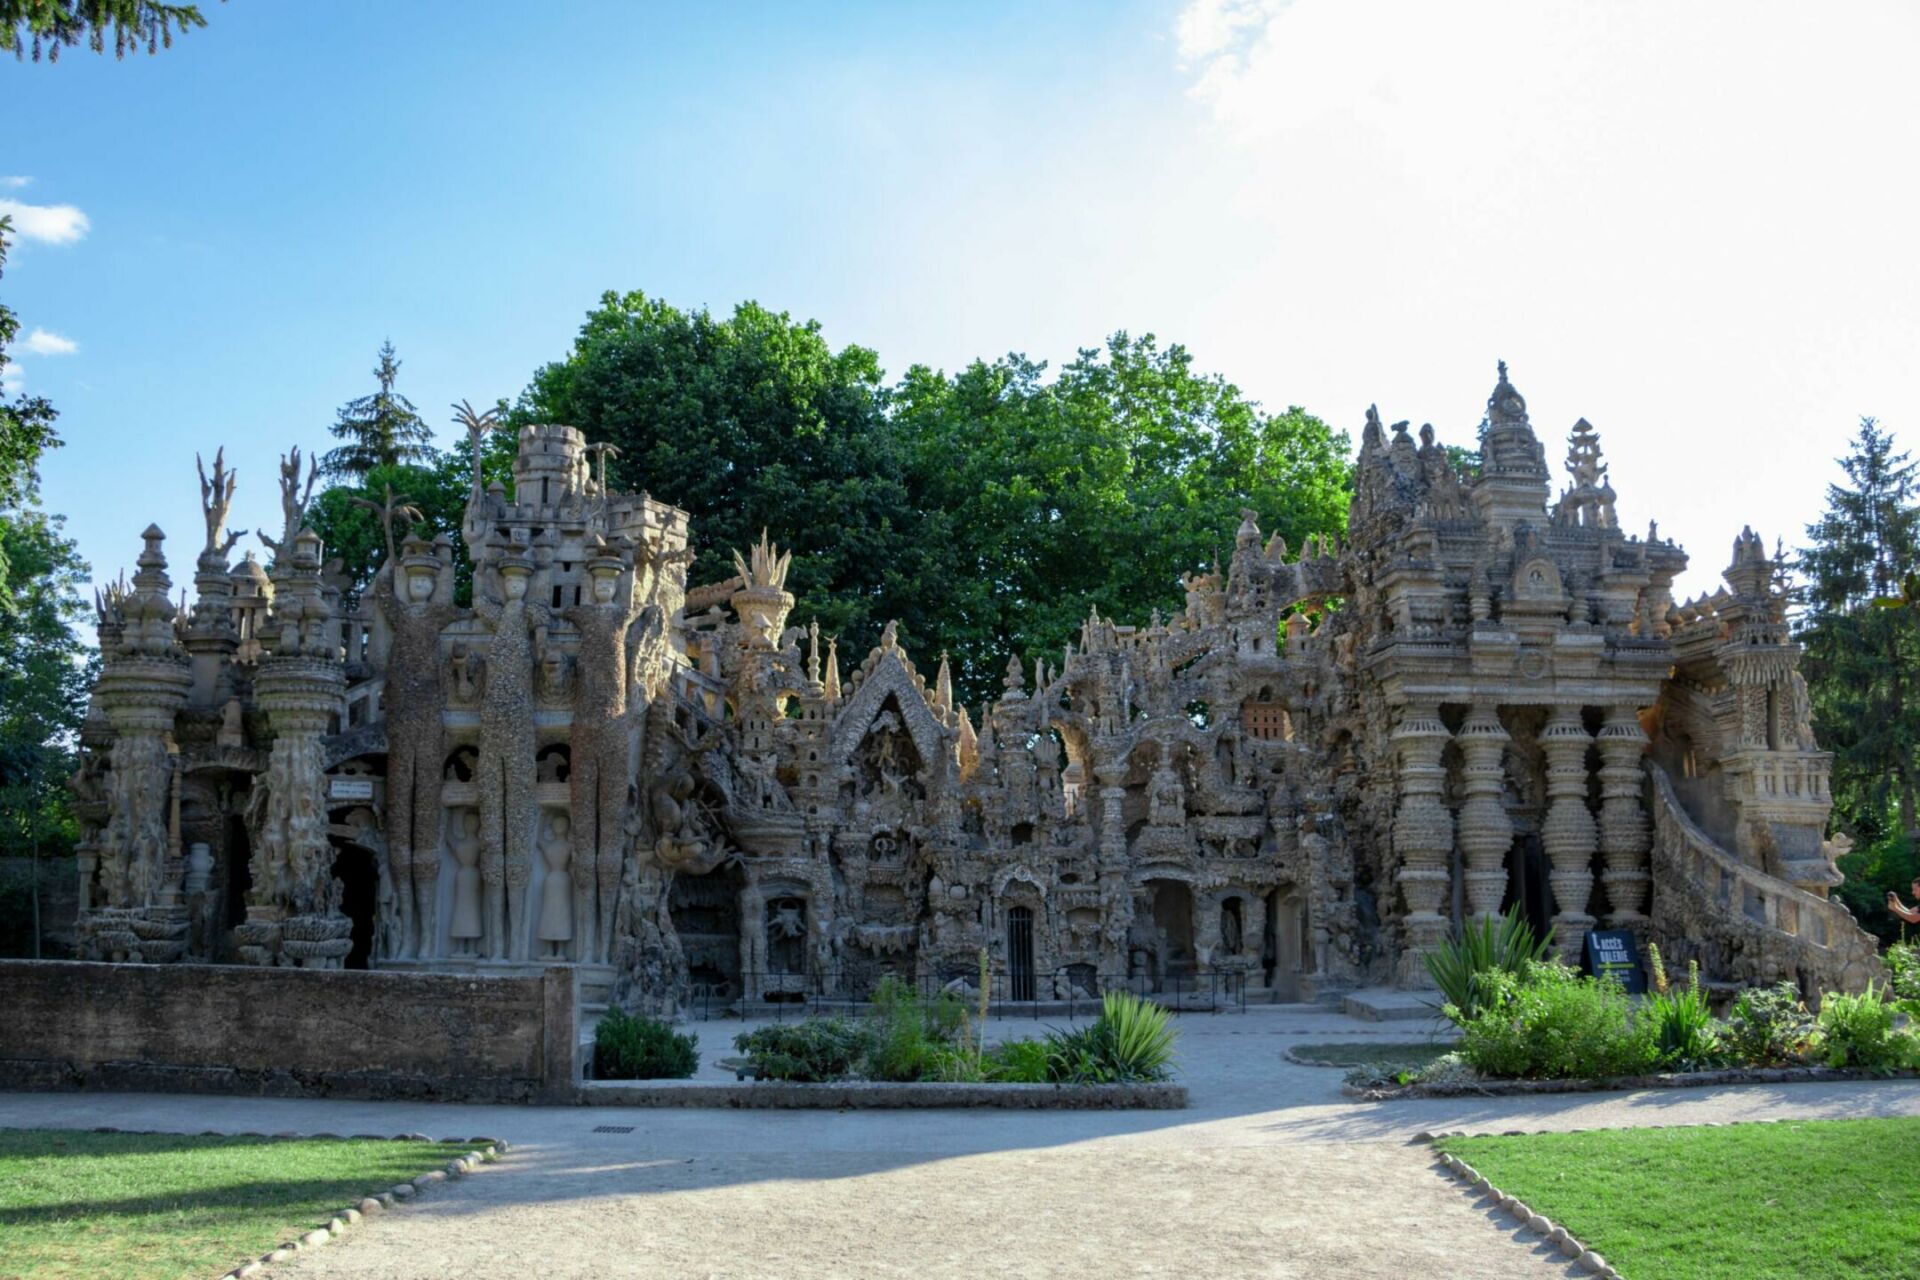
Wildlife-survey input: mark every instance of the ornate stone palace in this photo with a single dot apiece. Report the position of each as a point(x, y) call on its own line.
point(1294, 787)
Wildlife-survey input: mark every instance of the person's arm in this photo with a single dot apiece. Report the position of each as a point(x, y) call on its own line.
point(1902, 911)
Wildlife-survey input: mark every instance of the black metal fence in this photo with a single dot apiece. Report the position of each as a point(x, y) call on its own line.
point(1070, 993)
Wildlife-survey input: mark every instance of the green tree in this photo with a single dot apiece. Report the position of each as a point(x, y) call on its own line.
point(1099, 487)
point(1860, 657)
point(749, 421)
point(381, 430)
point(985, 511)
point(48, 26)
point(44, 668)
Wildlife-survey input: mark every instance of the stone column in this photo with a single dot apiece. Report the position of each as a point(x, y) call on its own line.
point(1422, 834)
point(1116, 889)
point(1568, 834)
point(1624, 837)
point(1486, 832)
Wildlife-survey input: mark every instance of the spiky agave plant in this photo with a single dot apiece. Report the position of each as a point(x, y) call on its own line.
point(1479, 947)
point(1138, 1037)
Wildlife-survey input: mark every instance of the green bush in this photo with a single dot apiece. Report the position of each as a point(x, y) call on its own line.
point(1460, 965)
point(811, 1052)
point(1685, 1035)
point(1547, 1022)
point(630, 1048)
point(1130, 1042)
point(912, 1037)
point(1016, 1062)
point(1769, 1026)
point(1903, 976)
point(1857, 1031)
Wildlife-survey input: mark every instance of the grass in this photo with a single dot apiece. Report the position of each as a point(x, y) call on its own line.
point(155, 1206)
point(1838, 1199)
point(1374, 1055)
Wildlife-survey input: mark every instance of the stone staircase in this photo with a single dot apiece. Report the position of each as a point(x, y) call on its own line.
point(1745, 927)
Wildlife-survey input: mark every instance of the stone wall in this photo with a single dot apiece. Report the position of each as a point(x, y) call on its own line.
point(287, 1032)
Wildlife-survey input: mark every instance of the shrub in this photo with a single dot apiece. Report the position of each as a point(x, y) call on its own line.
point(1684, 1033)
point(812, 1052)
point(1769, 1026)
point(1547, 1022)
point(1903, 976)
point(912, 1035)
point(1016, 1062)
point(1460, 965)
point(1130, 1042)
point(1857, 1031)
point(631, 1048)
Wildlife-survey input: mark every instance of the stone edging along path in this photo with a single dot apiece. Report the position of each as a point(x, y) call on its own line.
point(485, 1151)
point(1670, 1080)
point(1556, 1235)
point(865, 1094)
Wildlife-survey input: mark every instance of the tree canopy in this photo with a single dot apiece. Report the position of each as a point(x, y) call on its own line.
point(985, 510)
point(48, 26)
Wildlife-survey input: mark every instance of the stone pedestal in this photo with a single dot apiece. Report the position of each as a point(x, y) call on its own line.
point(1568, 834)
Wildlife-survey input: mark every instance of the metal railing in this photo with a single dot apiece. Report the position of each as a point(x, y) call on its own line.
point(1064, 992)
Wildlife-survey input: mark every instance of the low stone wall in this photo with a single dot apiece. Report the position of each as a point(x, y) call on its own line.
point(288, 1032)
point(876, 1095)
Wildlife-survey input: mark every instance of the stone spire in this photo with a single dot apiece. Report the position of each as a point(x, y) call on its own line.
point(1514, 481)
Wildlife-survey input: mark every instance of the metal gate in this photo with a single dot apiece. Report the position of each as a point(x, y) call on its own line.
point(1020, 953)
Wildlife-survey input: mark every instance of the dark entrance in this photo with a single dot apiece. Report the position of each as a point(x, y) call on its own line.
point(239, 871)
point(1527, 883)
point(359, 881)
point(1020, 953)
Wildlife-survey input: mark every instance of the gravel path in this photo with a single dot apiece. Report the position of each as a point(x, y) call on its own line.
point(1272, 1173)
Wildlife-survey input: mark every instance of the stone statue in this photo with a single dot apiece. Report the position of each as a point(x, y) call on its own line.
point(466, 928)
point(556, 889)
point(510, 603)
point(601, 759)
point(417, 609)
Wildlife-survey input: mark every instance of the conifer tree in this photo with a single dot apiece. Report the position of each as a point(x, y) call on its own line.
point(1861, 655)
point(381, 430)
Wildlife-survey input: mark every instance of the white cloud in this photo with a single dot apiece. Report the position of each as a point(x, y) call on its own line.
point(1689, 223)
point(47, 223)
point(12, 380)
point(42, 343)
point(13, 182)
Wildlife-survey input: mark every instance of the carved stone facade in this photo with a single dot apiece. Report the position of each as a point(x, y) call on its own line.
point(1294, 787)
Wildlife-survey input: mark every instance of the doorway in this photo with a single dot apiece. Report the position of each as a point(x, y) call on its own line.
point(359, 879)
point(1020, 954)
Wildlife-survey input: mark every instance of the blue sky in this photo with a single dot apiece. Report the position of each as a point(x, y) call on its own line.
point(1692, 228)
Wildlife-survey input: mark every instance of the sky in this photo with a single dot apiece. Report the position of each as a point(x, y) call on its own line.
point(1694, 224)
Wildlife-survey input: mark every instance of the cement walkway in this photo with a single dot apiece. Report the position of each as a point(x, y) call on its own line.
point(1271, 1173)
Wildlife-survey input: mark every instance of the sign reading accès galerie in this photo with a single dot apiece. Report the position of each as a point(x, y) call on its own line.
point(350, 789)
point(1615, 953)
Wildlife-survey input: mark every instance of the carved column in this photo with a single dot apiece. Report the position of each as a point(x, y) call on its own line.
point(1116, 890)
point(1568, 834)
point(1624, 838)
point(1486, 832)
point(1422, 833)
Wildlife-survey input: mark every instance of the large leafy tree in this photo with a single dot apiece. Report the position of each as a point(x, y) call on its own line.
point(749, 421)
point(44, 669)
point(1097, 487)
point(1860, 657)
point(985, 511)
point(381, 429)
point(48, 26)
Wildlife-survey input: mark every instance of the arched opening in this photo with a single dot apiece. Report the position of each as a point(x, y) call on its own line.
point(1173, 927)
point(359, 880)
point(1020, 984)
point(705, 911)
point(1232, 938)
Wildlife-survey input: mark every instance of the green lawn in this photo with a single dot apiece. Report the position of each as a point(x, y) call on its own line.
point(1374, 1055)
point(155, 1206)
point(1835, 1199)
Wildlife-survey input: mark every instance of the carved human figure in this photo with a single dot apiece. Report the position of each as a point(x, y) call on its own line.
point(504, 781)
point(556, 889)
point(601, 768)
point(416, 612)
point(465, 929)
